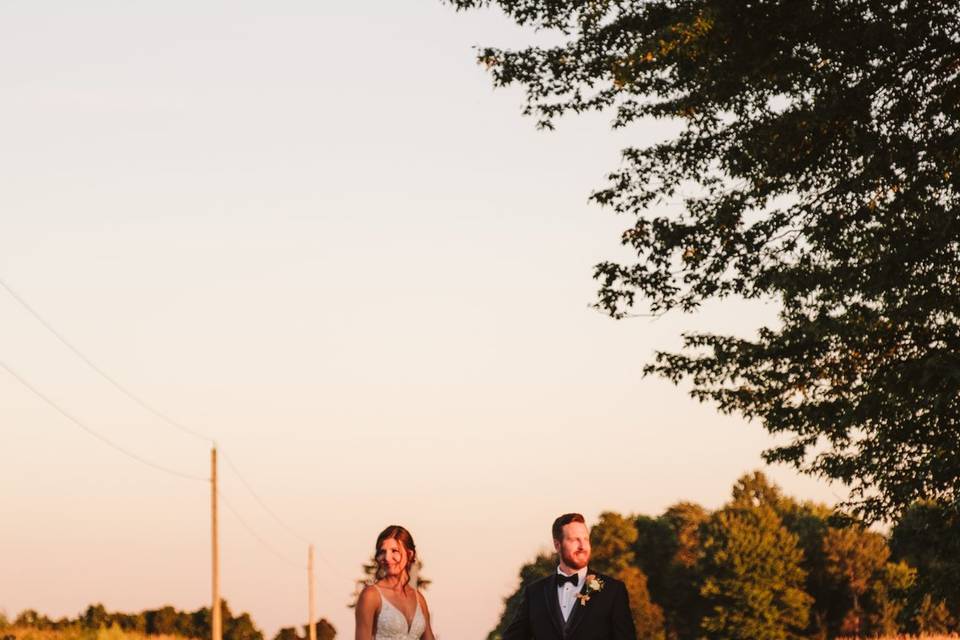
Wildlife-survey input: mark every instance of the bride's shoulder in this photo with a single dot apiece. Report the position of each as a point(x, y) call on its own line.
point(369, 596)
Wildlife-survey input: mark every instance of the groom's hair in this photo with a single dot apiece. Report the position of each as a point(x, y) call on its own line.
point(564, 520)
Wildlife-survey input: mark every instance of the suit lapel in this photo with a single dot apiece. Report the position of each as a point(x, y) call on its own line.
point(579, 611)
point(553, 603)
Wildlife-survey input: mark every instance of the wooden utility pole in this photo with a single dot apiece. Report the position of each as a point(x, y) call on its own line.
point(312, 595)
point(216, 625)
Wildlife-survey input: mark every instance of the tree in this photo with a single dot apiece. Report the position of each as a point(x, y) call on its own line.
point(933, 617)
point(162, 621)
point(96, 616)
point(752, 577)
point(541, 566)
point(647, 617)
point(287, 633)
point(928, 538)
point(611, 540)
point(886, 599)
point(668, 550)
point(817, 167)
point(853, 557)
point(325, 630)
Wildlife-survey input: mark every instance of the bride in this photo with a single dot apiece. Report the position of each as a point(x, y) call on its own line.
point(390, 608)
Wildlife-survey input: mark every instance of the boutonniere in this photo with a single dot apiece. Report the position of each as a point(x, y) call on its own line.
point(591, 585)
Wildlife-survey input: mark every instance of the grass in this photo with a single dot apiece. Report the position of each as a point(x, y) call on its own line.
point(78, 633)
point(951, 636)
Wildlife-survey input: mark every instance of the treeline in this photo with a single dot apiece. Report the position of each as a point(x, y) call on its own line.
point(768, 566)
point(166, 621)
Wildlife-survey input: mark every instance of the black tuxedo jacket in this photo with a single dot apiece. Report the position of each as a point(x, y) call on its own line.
point(606, 616)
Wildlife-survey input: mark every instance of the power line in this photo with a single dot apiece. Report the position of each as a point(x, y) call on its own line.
point(124, 390)
point(290, 529)
point(156, 413)
point(140, 400)
point(94, 433)
point(261, 502)
point(253, 533)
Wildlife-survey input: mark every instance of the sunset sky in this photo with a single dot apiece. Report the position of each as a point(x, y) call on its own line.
point(314, 233)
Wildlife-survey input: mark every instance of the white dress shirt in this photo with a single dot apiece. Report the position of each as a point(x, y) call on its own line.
point(568, 593)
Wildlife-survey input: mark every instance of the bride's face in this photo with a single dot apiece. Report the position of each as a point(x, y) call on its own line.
point(392, 557)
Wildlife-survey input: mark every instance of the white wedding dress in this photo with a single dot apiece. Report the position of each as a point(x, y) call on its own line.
point(392, 624)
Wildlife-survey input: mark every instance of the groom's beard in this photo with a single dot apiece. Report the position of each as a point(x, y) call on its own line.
point(576, 561)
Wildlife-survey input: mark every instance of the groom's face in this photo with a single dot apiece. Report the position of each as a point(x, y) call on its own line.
point(574, 546)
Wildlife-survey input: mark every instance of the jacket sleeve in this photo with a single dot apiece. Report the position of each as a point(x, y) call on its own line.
point(519, 628)
point(623, 628)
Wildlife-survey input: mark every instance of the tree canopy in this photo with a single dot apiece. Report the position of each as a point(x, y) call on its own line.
point(766, 565)
point(818, 166)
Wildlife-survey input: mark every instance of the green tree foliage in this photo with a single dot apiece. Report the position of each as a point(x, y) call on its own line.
point(752, 576)
point(611, 540)
point(647, 616)
point(30, 618)
point(163, 621)
point(853, 557)
point(886, 599)
point(287, 633)
point(325, 630)
point(668, 549)
point(928, 538)
point(933, 617)
point(818, 165)
point(543, 565)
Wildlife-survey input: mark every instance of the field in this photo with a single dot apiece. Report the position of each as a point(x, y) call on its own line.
point(77, 633)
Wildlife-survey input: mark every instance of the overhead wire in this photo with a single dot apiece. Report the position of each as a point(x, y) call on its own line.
point(93, 432)
point(123, 389)
point(253, 532)
point(161, 415)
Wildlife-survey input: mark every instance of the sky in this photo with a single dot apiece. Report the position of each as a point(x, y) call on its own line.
point(314, 233)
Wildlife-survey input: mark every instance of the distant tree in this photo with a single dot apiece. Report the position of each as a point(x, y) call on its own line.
point(200, 622)
point(668, 549)
point(162, 621)
point(928, 537)
point(755, 489)
point(95, 617)
point(933, 617)
point(325, 630)
point(752, 577)
point(817, 167)
point(241, 628)
point(611, 540)
point(853, 557)
point(886, 600)
point(647, 617)
point(809, 521)
point(30, 618)
point(543, 565)
point(287, 633)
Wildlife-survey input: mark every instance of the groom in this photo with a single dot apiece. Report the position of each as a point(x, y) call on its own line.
point(574, 603)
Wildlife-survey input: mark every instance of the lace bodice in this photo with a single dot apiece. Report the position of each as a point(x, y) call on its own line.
point(392, 625)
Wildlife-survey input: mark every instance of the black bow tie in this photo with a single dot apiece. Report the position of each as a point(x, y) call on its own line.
point(562, 579)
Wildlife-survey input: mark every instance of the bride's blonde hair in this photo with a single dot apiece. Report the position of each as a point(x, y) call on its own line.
point(405, 540)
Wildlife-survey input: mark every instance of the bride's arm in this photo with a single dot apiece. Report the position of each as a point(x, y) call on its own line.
point(428, 632)
point(366, 611)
